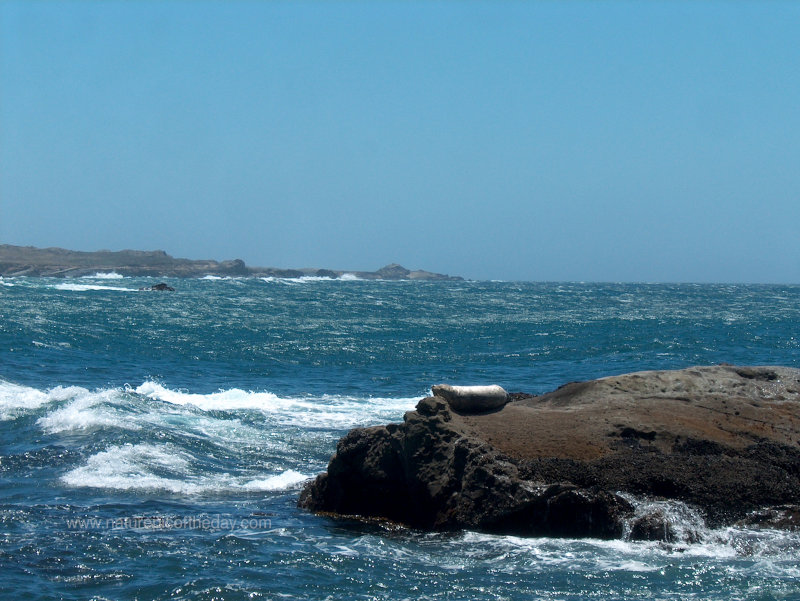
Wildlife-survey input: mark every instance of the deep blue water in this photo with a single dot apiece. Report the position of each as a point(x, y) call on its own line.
point(152, 445)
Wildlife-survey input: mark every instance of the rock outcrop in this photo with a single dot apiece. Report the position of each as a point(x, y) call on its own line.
point(583, 460)
point(161, 287)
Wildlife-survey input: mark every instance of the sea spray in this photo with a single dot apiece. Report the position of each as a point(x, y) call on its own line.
point(665, 520)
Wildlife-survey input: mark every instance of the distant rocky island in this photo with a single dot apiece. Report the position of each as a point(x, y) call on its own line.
point(60, 262)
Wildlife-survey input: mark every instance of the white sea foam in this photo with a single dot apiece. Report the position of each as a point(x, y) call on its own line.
point(327, 411)
point(681, 522)
point(287, 480)
point(119, 408)
point(183, 416)
point(128, 467)
point(88, 411)
point(57, 345)
point(105, 275)
point(289, 281)
point(233, 398)
point(309, 279)
point(16, 399)
point(88, 287)
point(636, 556)
point(149, 467)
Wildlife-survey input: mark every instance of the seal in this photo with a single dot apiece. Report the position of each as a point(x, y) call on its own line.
point(471, 399)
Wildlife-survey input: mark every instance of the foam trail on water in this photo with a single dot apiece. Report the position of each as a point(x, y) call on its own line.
point(105, 275)
point(766, 547)
point(150, 467)
point(90, 287)
point(309, 279)
point(57, 345)
point(306, 279)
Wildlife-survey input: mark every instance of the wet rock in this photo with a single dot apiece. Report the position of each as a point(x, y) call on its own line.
point(786, 517)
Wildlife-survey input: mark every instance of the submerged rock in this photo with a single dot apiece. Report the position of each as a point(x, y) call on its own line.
point(723, 441)
point(161, 286)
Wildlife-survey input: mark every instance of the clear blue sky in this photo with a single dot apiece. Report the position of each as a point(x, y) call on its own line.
point(594, 141)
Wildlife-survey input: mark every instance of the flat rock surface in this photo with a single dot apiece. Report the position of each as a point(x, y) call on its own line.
point(730, 406)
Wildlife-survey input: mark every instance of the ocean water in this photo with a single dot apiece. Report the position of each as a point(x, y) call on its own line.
point(153, 445)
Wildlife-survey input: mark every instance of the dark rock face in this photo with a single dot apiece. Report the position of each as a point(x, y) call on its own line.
point(234, 268)
point(723, 442)
point(422, 473)
point(393, 271)
point(326, 273)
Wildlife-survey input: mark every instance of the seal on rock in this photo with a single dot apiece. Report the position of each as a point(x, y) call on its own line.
point(471, 399)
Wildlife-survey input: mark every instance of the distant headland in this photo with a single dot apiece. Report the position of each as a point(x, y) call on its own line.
point(60, 262)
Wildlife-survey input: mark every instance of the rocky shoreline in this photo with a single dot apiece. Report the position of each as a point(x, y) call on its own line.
point(59, 262)
point(722, 442)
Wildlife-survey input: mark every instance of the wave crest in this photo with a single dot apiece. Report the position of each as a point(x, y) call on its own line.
point(90, 287)
point(105, 275)
point(150, 467)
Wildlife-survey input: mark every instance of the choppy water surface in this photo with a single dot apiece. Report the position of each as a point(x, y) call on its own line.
point(152, 445)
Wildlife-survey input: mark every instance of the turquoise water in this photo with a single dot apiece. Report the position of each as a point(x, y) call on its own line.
point(152, 445)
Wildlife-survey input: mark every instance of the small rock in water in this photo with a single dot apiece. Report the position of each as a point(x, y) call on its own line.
point(160, 286)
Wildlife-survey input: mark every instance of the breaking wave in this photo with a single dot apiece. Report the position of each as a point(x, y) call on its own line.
point(105, 275)
point(153, 439)
point(149, 467)
point(69, 286)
